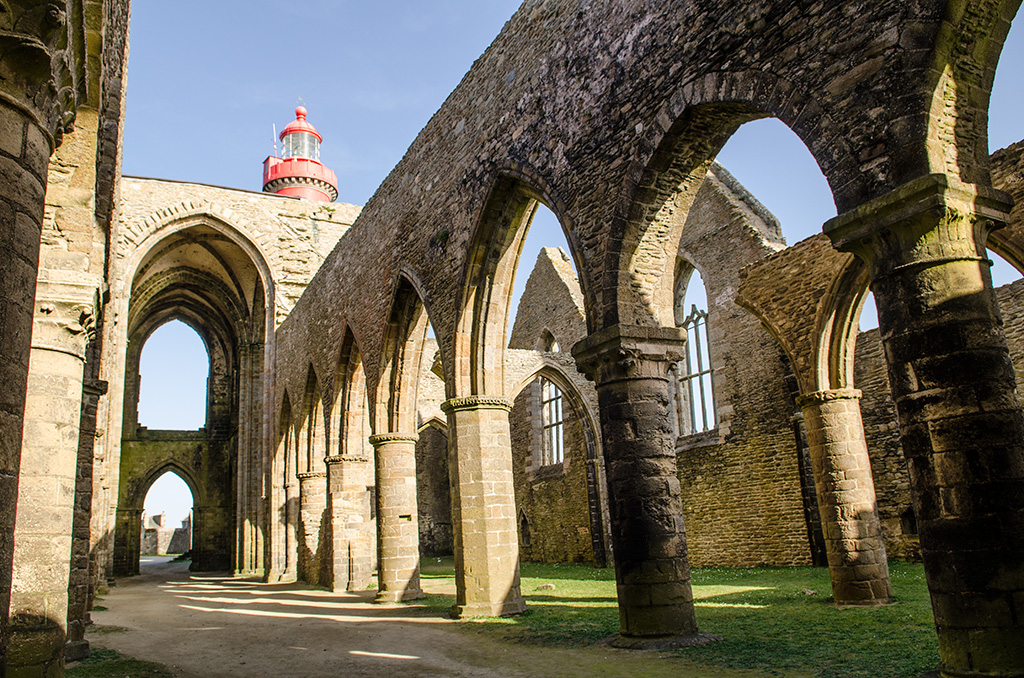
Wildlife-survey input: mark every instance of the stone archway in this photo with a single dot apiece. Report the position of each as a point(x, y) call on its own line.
point(127, 543)
point(211, 277)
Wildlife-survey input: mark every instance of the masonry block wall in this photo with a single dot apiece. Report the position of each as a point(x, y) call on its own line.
point(740, 481)
point(552, 501)
point(433, 493)
point(554, 504)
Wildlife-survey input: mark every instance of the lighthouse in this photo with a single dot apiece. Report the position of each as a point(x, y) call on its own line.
point(299, 172)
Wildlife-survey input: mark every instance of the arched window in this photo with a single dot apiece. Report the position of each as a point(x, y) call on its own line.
point(552, 444)
point(548, 342)
point(695, 375)
point(694, 392)
point(524, 528)
point(173, 369)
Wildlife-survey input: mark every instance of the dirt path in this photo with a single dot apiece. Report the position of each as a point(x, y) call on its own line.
point(209, 626)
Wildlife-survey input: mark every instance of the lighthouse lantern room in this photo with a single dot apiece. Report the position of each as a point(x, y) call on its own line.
point(299, 172)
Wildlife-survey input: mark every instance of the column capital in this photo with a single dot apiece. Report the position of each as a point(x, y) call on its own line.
point(385, 438)
point(342, 458)
point(45, 71)
point(627, 352)
point(476, 402)
point(63, 326)
point(928, 221)
point(827, 396)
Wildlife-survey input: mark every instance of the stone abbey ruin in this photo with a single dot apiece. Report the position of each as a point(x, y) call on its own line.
point(343, 437)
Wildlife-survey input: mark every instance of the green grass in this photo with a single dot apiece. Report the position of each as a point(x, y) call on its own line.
point(103, 663)
point(765, 619)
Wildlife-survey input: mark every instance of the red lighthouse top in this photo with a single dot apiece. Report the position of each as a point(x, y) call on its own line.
point(299, 172)
point(299, 124)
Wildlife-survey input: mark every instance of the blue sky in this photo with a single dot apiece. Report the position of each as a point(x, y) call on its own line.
point(203, 95)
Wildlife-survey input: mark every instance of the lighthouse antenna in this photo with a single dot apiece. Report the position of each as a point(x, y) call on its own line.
point(273, 126)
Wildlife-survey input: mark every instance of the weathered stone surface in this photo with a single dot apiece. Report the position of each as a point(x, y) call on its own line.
point(611, 117)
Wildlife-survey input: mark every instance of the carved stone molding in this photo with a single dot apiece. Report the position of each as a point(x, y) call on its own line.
point(623, 352)
point(820, 397)
point(384, 438)
point(43, 73)
point(94, 387)
point(476, 403)
point(929, 221)
point(311, 474)
point(342, 458)
point(63, 326)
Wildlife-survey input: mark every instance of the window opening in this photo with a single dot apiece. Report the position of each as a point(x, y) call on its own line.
point(173, 368)
point(695, 377)
point(551, 418)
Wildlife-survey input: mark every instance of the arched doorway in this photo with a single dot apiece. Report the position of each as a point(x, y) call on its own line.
point(206, 275)
point(167, 517)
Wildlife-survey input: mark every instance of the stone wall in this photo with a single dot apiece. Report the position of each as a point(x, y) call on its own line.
point(433, 494)
point(277, 245)
point(553, 502)
point(743, 496)
point(205, 464)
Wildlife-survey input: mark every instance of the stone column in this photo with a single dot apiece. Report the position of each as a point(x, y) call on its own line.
point(352, 552)
point(960, 420)
point(483, 507)
point(398, 538)
point(291, 542)
point(846, 497)
point(127, 542)
point(46, 493)
point(629, 367)
point(36, 105)
point(312, 504)
point(245, 560)
point(77, 647)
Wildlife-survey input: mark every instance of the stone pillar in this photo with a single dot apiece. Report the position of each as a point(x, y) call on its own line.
point(25, 149)
point(291, 541)
point(128, 541)
point(46, 493)
point(398, 537)
point(483, 507)
point(960, 420)
point(629, 367)
point(352, 547)
point(846, 497)
point(80, 583)
point(312, 505)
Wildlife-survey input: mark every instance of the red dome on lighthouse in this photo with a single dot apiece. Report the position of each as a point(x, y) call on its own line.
point(299, 172)
point(299, 124)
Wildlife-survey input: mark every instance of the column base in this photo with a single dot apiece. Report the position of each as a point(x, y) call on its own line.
point(281, 577)
point(35, 652)
point(398, 596)
point(76, 649)
point(506, 609)
point(661, 642)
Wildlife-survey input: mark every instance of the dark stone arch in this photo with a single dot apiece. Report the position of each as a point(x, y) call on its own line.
point(491, 265)
point(692, 126)
point(958, 85)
